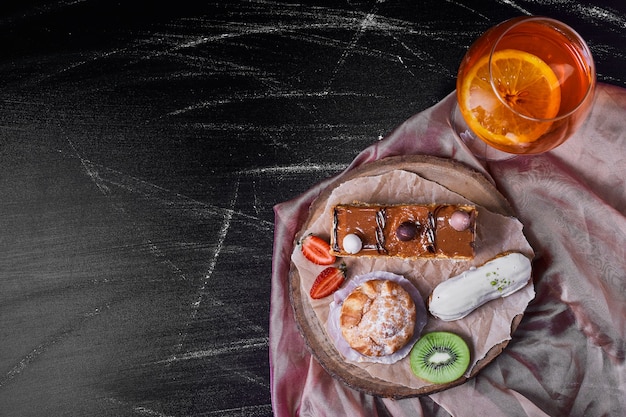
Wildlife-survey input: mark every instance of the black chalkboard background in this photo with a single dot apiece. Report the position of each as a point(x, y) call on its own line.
point(142, 148)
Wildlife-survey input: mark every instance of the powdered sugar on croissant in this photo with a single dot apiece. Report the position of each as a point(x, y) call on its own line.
point(383, 334)
point(377, 318)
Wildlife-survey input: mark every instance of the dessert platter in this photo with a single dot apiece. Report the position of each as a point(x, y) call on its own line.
point(409, 276)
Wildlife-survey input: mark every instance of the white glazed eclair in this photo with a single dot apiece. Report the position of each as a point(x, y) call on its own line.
point(458, 296)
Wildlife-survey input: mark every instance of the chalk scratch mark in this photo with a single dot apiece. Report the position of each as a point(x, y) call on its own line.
point(43, 347)
point(89, 170)
point(223, 232)
point(229, 310)
point(239, 98)
point(243, 411)
point(295, 169)
point(42, 10)
point(602, 16)
point(141, 410)
point(456, 3)
point(28, 359)
point(364, 24)
point(515, 6)
point(255, 200)
point(236, 346)
point(246, 411)
point(423, 58)
point(220, 244)
point(285, 128)
point(250, 377)
point(162, 257)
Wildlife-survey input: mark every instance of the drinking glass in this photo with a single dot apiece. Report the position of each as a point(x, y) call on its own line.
point(524, 87)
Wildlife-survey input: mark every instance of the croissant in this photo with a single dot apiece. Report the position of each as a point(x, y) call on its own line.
point(378, 318)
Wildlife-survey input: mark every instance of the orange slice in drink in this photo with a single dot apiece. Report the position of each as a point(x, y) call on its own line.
point(525, 83)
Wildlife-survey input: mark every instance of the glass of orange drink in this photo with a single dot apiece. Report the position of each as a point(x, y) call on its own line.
point(524, 87)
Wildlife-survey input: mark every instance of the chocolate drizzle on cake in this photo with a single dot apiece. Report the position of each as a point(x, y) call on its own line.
point(381, 221)
point(430, 232)
point(335, 241)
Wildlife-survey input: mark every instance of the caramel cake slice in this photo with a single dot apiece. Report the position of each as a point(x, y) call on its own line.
point(404, 230)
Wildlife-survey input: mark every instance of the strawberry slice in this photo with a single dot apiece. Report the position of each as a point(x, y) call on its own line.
point(317, 250)
point(328, 281)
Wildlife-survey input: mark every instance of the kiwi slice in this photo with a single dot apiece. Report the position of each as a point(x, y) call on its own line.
point(439, 357)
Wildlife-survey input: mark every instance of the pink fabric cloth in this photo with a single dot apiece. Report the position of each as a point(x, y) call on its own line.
point(567, 357)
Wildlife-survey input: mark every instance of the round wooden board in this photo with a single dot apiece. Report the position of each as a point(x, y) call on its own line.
point(451, 174)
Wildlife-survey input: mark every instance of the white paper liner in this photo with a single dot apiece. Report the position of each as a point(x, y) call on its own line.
point(334, 330)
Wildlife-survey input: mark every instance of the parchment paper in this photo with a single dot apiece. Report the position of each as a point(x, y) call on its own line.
point(487, 326)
